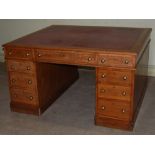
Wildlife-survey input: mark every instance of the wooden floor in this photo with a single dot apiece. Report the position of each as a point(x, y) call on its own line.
point(72, 113)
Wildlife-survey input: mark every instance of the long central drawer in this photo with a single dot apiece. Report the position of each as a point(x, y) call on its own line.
point(66, 57)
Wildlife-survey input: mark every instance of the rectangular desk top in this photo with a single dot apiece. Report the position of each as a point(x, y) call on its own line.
point(114, 39)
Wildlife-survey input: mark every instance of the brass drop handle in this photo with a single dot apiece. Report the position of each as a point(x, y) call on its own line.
point(28, 68)
point(102, 90)
point(126, 61)
point(27, 54)
point(29, 82)
point(103, 108)
point(123, 93)
point(123, 110)
point(102, 60)
point(103, 75)
point(31, 98)
point(124, 77)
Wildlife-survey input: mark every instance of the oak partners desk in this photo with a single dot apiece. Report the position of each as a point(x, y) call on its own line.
point(119, 55)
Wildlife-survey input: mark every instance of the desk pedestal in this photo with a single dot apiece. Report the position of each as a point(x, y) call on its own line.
point(119, 94)
point(34, 87)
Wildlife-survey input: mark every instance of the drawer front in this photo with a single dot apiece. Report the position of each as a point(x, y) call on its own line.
point(53, 56)
point(68, 57)
point(20, 53)
point(114, 109)
point(115, 77)
point(114, 92)
point(88, 59)
point(24, 81)
point(116, 60)
point(21, 66)
point(23, 96)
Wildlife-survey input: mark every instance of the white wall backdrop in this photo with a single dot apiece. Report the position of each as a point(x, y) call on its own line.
point(12, 29)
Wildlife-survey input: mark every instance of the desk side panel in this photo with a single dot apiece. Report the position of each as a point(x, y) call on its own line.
point(141, 79)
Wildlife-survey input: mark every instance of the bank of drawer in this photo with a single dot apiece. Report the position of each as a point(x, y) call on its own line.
point(53, 56)
point(19, 53)
point(23, 96)
point(114, 92)
point(116, 60)
point(115, 109)
point(20, 80)
point(21, 66)
point(114, 76)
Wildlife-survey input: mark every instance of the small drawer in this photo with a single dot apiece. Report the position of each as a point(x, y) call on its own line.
point(24, 81)
point(114, 92)
point(114, 109)
point(114, 76)
point(85, 59)
point(53, 56)
point(19, 53)
point(116, 60)
point(21, 66)
point(23, 96)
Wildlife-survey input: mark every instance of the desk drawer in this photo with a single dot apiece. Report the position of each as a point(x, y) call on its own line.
point(87, 59)
point(21, 66)
point(114, 92)
point(23, 96)
point(114, 109)
point(116, 60)
point(68, 57)
point(53, 56)
point(19, 53)
point(114, 76)
point(20, 80)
